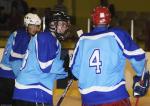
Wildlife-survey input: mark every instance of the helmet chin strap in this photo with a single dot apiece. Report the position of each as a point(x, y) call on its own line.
point(62, 37)
point(54, 32)
point(59, 36)
point(52, 29)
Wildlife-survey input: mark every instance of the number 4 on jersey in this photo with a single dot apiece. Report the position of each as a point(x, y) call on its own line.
point(95, 61)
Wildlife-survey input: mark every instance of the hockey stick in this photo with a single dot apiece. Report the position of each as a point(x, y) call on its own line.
point(43, 26)
point(132, 29)
point(142, 78)
point(79, 33)
point(65, 92)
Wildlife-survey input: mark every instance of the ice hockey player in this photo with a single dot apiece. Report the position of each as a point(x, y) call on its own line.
point(14, 52)
point(99, 61)
point(42, 65)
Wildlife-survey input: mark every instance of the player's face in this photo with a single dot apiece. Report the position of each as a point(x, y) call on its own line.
point(33, 29)
point(62, 26)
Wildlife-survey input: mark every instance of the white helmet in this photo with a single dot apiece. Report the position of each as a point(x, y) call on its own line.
point(31, 18)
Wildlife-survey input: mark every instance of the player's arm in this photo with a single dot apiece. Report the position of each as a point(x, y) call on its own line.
point(75, 61)
point(9, 44)
point(20, 44)
point(46, 51)
point(15, 64)
point(137, 58)
point(5, 63)
point(131, 50)
point(58, 68)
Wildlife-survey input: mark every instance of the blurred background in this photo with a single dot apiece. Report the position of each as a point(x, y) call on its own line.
point(123, 11)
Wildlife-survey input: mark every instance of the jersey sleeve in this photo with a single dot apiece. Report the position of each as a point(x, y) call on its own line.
point(131, 51)
point(16, 65)
point(20, 44)
point(47, 48)
point(6, 69)
point(75, 62)
point(129, 47)
point(18, 48)
point(5, 63)
point(57, 68)
point(138, 66)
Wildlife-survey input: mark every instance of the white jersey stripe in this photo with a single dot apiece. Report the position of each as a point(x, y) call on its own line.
point(43, 65)
point(127, 52)
point(4, 67)
point(21, 86)
point(17, 55)
point(101, 88)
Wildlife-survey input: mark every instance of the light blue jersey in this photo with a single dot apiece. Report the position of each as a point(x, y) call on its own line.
point(14, 52)
point(99, 62)
point(5, 66)
point(41, 67)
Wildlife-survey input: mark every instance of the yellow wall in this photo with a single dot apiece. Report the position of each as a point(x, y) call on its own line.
point(41, 3)
point(132, 5)
point(48, 3)
point(86, 5)
point(83, 12)
point(83, 8)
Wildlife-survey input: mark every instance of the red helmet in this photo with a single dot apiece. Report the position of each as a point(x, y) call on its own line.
point(101, 15)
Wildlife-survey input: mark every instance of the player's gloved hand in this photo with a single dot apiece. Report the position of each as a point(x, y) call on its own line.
point(140, 88)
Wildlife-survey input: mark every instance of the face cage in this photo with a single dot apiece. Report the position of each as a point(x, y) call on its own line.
point(53, 28)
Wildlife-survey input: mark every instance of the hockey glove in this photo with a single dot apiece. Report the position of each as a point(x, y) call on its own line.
point(140, 88)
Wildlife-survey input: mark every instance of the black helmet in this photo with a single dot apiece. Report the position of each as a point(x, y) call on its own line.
point(56, 16)
point(52, 19)
point(59, 16)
